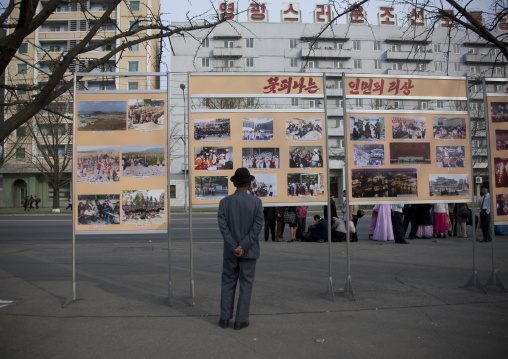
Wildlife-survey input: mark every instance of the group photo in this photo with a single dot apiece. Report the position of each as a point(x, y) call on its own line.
point(305, 157)
point(260, 157)
point(367, 128)
point(369, 155)
point(501, 140)
point(257, 129)
point(449, 128)
point(98, 164)
point(409, 153)
point(449, 185)
point(264, 185)
point(212, 129)
point(305, 184)
point(146, 114)
point(502, 204)
point(304, 129)
point(499, 111)
point(102, 115)
point(501, 172)
point(450, 156)
point(213, 158)
point(143, 161)
point(396, 182)
point(211, 187)
point(143, 207)
point(98, 209)
point(413, 128)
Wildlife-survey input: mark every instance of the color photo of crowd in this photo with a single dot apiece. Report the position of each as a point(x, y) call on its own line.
point(212, 130)
point(305, 185)
point(449, 185)
point(301, 157)
point(257, 129)
point(501, 172)
point(449, 128)
point(98, 209)
point(98, 164)
point(501, 140)
point(211, 187)
point(264, 185)
point(145, 114)
point(213, 158)
point(502, 204)
point(260, 158)
point(409, 128)
point(499, 111)
point(143, 207)
point(409, 153)
point(450, 156)
point(398, 182)
point(304, 129)
point(367, 128)
point(143, 161)
point(369, 155)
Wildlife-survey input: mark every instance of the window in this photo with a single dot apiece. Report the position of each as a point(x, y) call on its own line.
point(249, 43)
point(499, 88)
point(339, 103)
point(313, 104)
point(22, 69)
point(294, 101)
point(54, 28)
point(440, 104)
point(424, 105)
point(357, 64)
point(292, 43)
point(313, 64)
point(421, 48)
point(378, 104)
point(339, 64)
point(357, 45)
point(21, 132)
point(133, 86)
point(205, 43)
point(475, 143)
point(396, 66)
point(229, 44)
point(205, 62)
point(23, 48)
point(473, 69)
point(172, 191)
point(358, 102)
point(421, 67)
point(20, 153)
point(377, 45)
point(134, 48)
point(294, 62)
point(56, 48)
point(456, 67)
point(377, 64)
point(133, 24)
point(438, 66)
point(21, 92)
point(473, 106)
point(133, 66)
point(134, 5)
point(250, 102)
point(472, 51)
point(229, 63)
point(498, 70)
point(249, 61)
point(456, 48)
point(339, 45)
point(437, 47)
point(395, 48)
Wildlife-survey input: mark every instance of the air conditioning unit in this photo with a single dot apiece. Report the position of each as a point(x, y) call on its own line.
point(479, 180)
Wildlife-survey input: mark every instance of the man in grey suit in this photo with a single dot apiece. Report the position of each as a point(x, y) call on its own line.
point(240, 219)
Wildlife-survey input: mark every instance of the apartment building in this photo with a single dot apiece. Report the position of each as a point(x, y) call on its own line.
point(33, 63)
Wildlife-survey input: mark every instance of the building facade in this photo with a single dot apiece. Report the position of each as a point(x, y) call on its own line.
point(33, 64)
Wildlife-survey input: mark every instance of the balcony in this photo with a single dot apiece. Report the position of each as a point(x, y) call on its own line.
point(335, 111)
point(235, 52)
point(336, 131)
point(409, 56)
point(484, 59)
point(325, 53)
point(336, 92)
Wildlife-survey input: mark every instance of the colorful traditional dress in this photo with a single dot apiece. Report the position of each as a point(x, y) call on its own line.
point(384, 228)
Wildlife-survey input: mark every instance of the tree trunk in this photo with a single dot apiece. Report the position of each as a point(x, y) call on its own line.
point(56, 197)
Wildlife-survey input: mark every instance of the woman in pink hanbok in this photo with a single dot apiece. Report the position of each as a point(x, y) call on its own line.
point(383, 230)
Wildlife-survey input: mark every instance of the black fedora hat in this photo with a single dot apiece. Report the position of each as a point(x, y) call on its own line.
point(242, 175)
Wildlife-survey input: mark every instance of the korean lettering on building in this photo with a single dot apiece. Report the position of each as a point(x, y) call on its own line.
point(417, 17)
point(357, 16)
point(291, 12)
point(323, 13)
point(377, 87)
point(290, 85)
point(257, 12)
point(503, 21)
point(387, 15)
point(228, 10)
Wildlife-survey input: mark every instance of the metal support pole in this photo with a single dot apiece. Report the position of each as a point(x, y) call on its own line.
point(190, 208)
point(168, 190)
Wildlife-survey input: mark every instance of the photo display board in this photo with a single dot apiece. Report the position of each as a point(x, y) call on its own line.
point(498, 133)
point(284, 150)
point(120, 173)
point(407, 156)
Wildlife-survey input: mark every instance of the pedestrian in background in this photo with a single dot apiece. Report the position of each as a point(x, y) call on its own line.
point(269, 216)
point(301, 220)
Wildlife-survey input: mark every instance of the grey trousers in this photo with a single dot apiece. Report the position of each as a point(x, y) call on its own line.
point(233, 271)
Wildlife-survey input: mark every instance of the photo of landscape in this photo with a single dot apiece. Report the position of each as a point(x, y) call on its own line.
point(143, 160)
point(102, 115)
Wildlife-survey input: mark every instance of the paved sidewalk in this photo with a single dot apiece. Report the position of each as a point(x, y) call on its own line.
point(409, 302)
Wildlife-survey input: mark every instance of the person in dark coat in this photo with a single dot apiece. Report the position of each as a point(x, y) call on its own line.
point(333, 208)
point(319, 233)
point(269, 215)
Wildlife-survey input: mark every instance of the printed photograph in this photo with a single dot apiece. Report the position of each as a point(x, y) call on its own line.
point(102, 115)
point(501, 140)
point(501, 172)
point(367, 128)
point(449, 185)
point(264, 185)
point(143, 207)
point(98, 164)
point(409, 153)
point(305, 184)
point(260, 158)
point(502, 204)
point(413, 128)
point(146, 114)
point(305, 157)
point(304, 129)
point(257, 129)
point(212, 130)
point(213, 158)
point(211, 187)
point(449, 128)
point(369, 155)
point(396, 182)
point(450, 156)
point(499, 111)
point(98, 209)
point(143, 161)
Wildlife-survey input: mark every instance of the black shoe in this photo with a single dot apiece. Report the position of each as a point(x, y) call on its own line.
point(404, 242)
point(224, 323)
point(241, 325)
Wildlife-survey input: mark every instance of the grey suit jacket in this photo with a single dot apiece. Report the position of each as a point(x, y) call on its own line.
point(240, 219)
